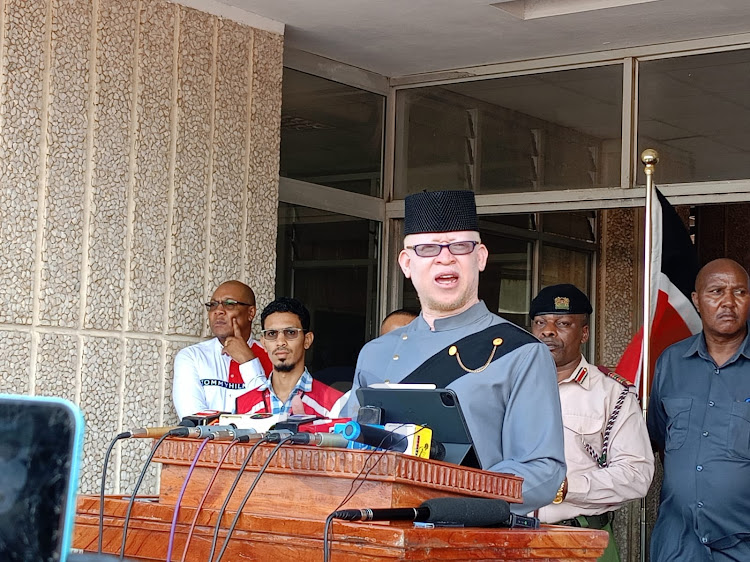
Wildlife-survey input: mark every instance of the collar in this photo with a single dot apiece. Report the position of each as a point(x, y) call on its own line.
point(465, 318)
point(698, 347)
point(304, 384)
point(580, 374)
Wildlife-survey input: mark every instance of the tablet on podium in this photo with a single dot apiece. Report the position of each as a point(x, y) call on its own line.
point(436, 408)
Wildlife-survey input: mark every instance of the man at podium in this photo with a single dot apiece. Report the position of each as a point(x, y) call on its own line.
point(505, 379)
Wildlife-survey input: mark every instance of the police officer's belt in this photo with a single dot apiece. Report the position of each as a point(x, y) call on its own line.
point(588, 521)
point(474, 350)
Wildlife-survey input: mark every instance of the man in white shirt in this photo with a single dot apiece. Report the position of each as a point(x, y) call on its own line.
point(210, 375)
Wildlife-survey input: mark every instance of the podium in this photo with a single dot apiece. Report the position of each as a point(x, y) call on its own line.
point(285, 515)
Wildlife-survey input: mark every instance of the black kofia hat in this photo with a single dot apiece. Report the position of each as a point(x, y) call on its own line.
point(440, 211)
point(560, 299)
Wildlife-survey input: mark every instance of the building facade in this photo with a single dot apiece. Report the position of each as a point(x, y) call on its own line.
point(151, 151)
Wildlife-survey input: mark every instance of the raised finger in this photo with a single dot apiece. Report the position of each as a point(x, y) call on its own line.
point(236, 328)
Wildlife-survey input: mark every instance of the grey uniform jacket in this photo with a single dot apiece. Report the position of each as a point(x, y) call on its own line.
point(512, 408)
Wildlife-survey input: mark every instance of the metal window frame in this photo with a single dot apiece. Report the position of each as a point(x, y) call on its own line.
point(646, 52)
point(342, 73)
point(389, 211)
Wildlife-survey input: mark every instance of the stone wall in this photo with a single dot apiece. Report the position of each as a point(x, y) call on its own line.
point(139, 143)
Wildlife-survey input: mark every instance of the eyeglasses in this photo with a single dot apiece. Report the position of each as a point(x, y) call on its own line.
point(432, 250)
point(228, 304)
point(289, 333)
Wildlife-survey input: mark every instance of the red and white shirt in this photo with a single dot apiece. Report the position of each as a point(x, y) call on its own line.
point(315, 397)
point(202, 381)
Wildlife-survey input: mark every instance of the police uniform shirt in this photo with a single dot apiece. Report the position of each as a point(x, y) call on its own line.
point(588, 398)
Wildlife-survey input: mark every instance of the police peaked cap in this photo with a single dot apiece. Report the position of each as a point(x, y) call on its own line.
point(560, 299)
point(440, 211)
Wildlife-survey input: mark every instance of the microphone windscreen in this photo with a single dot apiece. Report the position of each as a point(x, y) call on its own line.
point(375, 436)
point(437, 451)
point(470, 512)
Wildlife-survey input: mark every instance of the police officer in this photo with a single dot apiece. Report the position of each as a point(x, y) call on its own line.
point(607, 448)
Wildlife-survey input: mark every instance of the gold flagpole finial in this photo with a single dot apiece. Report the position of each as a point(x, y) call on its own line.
point(650, 158)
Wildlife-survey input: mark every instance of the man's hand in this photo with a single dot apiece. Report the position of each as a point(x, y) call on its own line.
point(236, 346)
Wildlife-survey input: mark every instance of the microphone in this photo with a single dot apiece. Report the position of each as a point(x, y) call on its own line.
point(276, 436)
point(215, 432)
point(466, 512)
point(437, 450)
point(151, 432)
point(320, 439)
point(388, 514)
point(523, 522)
point(375, 436)
point(222, 433)
point(391, 440)
point(247, 435)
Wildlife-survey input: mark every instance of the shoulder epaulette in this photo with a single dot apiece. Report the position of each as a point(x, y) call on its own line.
point(619, 378)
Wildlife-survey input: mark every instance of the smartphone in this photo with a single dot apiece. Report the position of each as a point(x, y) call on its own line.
point(40, 452)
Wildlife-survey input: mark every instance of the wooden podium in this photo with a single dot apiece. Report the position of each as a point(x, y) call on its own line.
point(285, 516)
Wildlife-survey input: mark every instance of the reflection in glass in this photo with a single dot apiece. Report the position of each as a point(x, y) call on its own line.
point(331, 134)
point(330, 263)
point(694, 111)
point(555, 130)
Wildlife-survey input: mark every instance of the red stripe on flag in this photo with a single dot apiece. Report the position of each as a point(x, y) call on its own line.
point(630, 362)
point(671, 321)
point(668, 327)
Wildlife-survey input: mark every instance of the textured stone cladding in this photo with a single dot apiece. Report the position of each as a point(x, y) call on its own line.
point(618, 278)
point(139, 154)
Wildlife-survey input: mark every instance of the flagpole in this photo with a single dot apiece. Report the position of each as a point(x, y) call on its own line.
point(650, 158)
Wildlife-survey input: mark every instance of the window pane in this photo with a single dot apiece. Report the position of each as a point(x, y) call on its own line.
point(694, 111)
point(331, 134)
point(556, 130)
point(505, 285)
point(561, 265)
point(329, 262)
point(572, 224)
point(526, 221)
